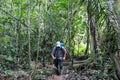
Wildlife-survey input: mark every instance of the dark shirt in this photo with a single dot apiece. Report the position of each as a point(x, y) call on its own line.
point(58, 52)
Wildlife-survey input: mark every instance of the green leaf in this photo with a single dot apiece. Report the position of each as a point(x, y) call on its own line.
point(0, 29)
point(9, 58)
point(9, 73)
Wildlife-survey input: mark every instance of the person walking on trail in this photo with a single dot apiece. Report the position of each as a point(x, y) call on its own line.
point(58, 55)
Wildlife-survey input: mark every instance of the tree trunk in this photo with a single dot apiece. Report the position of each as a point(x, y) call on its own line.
point(92, 25)
point(87, 46)
point(28, 21)
point(38, 44)
point(117, 65)
point(114, 44)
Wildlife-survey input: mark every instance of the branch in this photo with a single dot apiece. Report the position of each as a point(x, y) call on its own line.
point(23, 23)
point(14, 17)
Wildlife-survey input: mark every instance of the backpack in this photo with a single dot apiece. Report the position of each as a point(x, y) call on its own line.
point(62, 46)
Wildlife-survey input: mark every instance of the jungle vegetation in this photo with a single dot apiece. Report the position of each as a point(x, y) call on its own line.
point(90, 30)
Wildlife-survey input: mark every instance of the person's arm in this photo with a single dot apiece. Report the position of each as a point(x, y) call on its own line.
point(65, 52)
point(53, 56)
point(53, 52)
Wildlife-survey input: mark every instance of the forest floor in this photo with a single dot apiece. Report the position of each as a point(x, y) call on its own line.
point(80, 71)
point(73, 73)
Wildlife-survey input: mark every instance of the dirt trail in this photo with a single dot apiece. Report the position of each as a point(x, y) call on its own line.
point(56, 77)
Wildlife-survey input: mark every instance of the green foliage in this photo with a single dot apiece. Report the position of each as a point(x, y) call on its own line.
point(7, 58)
point(44, 72)
point(9, 73)
point(58, 20)
point(79, 49)
point(0, 29)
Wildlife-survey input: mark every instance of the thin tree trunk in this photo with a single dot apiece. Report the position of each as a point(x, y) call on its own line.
point(38, 44)
point(88, 40)
point(28, 21)
point(69, 35)
point(117, 65)
point(92, 25)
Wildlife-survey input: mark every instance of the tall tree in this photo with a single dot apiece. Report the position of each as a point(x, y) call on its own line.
point(28, 23)
point(92, 24)
point(112, 29)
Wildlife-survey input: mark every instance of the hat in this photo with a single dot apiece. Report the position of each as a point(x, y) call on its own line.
point(58, 44)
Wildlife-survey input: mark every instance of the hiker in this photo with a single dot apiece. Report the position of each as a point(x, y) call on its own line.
point(58, 54)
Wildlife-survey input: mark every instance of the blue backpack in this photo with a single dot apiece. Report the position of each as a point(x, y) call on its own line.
point(62, 44)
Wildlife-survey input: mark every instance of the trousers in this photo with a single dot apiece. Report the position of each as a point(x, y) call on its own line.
point(58, 62)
